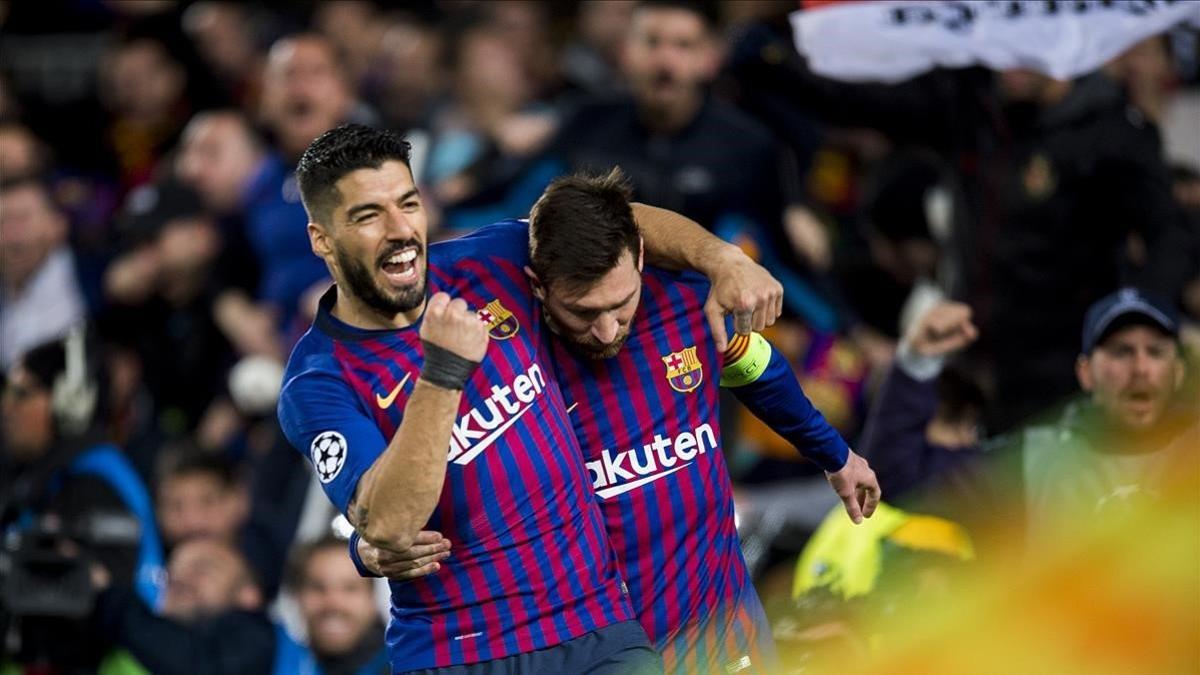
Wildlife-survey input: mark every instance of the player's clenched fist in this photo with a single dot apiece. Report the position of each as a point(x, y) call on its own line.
point(454, 339)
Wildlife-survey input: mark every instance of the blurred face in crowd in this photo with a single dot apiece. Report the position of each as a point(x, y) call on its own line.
point(143, 82)
point(595, 321)
point(375, 241)
point(668, 57)
point(603, 24)
point(206, 577)
point(337, 604)
point(490, 72)
point(221, 33)
point(304, 91)
point(1132, 375)
point(412, 70)
point(30, 228)
point(218, 158)
point(199, 504)
point(25, 416)
point(19, 152)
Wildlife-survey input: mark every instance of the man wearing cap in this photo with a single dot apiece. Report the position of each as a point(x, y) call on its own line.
point(1124, 441)
point(1131, 437)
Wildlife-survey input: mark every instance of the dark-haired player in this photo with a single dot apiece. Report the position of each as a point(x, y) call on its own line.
point(394, 372)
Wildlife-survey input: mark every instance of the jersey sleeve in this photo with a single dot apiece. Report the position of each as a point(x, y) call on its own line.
point(507, 239)
point(762, 379)
point(320, 418)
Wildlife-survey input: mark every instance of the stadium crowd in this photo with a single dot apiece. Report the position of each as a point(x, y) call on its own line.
point(943, 244)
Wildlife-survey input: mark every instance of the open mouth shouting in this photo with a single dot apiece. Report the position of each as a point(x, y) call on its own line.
point(399, 266)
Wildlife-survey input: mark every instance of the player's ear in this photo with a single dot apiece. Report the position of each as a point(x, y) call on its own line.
point(641, 258)
point(535, 284)
point(1083, 372)
point(318, 239)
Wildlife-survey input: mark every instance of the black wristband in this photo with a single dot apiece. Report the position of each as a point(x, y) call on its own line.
point(445, 368)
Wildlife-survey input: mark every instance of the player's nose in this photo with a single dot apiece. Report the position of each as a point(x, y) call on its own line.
point(605, 329)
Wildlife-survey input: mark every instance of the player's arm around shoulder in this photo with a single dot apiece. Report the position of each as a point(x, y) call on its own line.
point(396, 496)
point(740, 286)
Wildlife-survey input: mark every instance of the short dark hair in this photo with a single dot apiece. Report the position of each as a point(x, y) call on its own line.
point(185, 458)
point(706, 11)
point(580, 227)
point(340, 151)
point(302, 554)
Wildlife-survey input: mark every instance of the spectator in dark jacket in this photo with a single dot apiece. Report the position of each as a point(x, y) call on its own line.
point(212, 620)
point(1055, 176)
point(923, 430)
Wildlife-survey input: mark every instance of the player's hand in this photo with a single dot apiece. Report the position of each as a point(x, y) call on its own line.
point(942, 330)
point(422, 558)
point(857, 486)
point(451, 325)
point(745, 289)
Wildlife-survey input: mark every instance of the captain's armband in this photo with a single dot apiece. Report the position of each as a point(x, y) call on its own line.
point(745, 360)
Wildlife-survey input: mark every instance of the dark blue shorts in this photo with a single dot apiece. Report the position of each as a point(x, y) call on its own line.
point(619, 649)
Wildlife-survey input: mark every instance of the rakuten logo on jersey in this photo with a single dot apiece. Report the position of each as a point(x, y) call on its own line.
point(480, 426)
point(614, 474)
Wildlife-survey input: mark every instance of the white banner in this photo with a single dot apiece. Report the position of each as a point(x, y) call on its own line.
point(891, 40)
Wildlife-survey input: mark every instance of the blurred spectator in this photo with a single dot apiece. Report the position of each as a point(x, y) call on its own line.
point(40, 296)
point(482, 134)
point(67, 496)
point(1146, 73)
point(903, 230)
point(1186, 184)
point(1124, 441)
point(923, 432)
point(212, 617)
point(410, 77)
point(144, 89)
point(342, 621)
point(218, 157)
point(21, 153)
point(1054, 176)
point(356, 29)
point(592, 61)
point(201, 494)
point(686, 151)
point(306, 92)
point(163, 289)
point(223, 34)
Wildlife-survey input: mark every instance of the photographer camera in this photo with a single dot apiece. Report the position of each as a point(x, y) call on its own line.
point(68, 499)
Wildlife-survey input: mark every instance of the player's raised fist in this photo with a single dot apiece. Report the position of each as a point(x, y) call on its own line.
point(452, 326)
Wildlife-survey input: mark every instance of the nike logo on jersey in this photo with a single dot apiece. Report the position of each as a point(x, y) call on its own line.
point(478, 428)
point(386, 402)
point(615, 474)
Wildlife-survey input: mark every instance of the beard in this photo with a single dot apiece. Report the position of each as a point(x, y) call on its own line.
point(587, 346)
point(362, 284)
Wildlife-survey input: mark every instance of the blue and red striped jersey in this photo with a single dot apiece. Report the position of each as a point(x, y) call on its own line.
point(648, 423)
point(531, 565)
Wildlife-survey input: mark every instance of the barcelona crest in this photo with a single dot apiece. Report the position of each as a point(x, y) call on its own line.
point(500, 322)
point(684, 370)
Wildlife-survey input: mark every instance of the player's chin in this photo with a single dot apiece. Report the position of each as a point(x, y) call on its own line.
point(596, 350)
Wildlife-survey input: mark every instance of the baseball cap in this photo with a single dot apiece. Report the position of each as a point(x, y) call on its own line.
point(1119, 309)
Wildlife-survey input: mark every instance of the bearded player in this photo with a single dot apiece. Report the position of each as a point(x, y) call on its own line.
point(639, 368)
point(415, 412)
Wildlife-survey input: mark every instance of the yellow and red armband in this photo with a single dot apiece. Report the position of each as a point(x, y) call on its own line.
point(746, 360)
